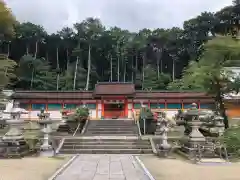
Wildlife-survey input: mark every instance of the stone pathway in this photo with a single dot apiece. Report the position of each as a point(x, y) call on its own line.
point(103, 167)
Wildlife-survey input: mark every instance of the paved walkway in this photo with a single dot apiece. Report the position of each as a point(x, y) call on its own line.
point(103, 167)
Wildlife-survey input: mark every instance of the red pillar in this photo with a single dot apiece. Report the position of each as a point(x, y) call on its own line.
point(102, 107)
point(126, 108)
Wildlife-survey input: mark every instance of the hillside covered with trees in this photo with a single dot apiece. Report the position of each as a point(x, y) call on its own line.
point(79, 57)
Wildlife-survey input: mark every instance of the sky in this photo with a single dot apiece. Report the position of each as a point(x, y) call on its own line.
point(127, 14)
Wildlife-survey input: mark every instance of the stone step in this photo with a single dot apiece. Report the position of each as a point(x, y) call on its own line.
point(104, 146)
point(111, 129)
point(114, 127)
point(106, 151)
point(104, 140)
point(112, 133)
point(108, 143)
point(110, 123)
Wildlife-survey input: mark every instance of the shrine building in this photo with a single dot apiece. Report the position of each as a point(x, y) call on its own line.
point(114, 100)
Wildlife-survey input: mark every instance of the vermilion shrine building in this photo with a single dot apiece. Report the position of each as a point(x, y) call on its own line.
point(114, 100)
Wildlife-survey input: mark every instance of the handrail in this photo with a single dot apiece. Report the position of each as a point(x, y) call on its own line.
point(84, 127)
point(138, 125)
point(60, 145)
point(76, 129)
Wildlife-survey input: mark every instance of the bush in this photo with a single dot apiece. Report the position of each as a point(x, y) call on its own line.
point(231, 139)
point(81, 113)
point(145, 113)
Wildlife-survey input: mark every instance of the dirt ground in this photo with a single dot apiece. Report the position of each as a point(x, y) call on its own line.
point(172, 169)
point(34, 168)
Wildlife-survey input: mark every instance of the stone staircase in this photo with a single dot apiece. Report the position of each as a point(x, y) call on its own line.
point(111, 128)
point(108, 137)
point(105, 146)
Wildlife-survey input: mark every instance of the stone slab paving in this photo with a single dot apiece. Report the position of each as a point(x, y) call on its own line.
point(103, 167)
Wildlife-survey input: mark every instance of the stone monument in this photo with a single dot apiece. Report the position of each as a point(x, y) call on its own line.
point(45, 122)
point(164, 147)
point(14, 139)
point(219, 124)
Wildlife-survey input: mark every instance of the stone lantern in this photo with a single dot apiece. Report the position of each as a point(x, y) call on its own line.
point(45, 122)
point(164, 146)
point(192, 125)
point(14, 139)
point(219, 124)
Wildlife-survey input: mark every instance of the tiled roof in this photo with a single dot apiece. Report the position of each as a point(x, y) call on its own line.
point(114, 89)
point(52, 95)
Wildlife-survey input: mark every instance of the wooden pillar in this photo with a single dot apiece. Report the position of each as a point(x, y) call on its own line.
point(102, 102)
point(96, 109)
point(46, 105)
point(126, 107)
point(30, 110)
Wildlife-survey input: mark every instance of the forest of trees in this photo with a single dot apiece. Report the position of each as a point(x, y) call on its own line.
point(79, 57)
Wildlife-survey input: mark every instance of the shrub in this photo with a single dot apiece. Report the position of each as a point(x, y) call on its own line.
point(81, 113)
point(231, 139)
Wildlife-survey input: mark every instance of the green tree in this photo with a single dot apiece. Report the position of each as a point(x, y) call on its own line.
point(7, 22)
point(7, 71)
point(209, 73)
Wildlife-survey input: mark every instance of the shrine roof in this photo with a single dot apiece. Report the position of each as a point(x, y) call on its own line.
point(114, 88)
point(52, 95)
point(170, 94)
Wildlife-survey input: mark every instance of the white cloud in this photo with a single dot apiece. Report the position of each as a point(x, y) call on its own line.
point(127, 14)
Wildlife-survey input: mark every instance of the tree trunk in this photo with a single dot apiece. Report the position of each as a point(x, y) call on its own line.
point(47, 56)
point(32, 78)
point(75, 74)
point(132, 69)
point(57, 71)
point(124, 72)
point(143, 73)
point(136, 64)
point(67, 59)
point(118, 64)
point(161, 70)
point(221, 106)
point(173, 69)
point(8, 49)
point(111, 71)
point(89, 67)
point(158, 64)
point(27, 49)
point(36, 49)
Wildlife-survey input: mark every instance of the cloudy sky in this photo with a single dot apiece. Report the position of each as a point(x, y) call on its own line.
point(128, 14)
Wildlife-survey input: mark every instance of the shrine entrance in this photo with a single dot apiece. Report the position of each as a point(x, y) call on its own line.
point(114, 109)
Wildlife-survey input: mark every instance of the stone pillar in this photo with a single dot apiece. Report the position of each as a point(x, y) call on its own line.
point(45, 122)
point(195, 137)
point(219, 124)
point(46, 148)
point(164, 146)
point(14, 140)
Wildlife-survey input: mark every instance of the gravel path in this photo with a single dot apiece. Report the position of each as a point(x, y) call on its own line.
point(172, 169)
point(34, 168)
point(103, 167)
